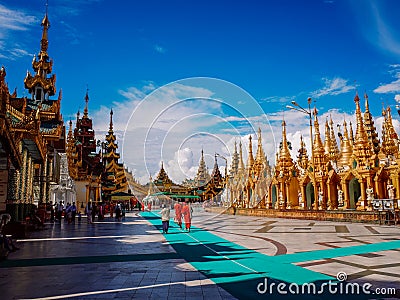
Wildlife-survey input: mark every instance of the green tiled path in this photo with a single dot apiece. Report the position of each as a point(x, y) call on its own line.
point(230, 265)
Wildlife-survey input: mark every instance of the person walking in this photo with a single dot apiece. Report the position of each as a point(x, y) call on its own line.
point(89, 212)
point(165, 216)
point(178, 214)
point(59, 211)
point(187, 215)
point(118, 212)
point(73, 212)
point(94, 212)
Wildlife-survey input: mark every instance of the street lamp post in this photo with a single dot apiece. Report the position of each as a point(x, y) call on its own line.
point(226, 175)
point(308, 112)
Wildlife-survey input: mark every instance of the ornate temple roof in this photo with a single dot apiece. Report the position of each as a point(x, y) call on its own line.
point(202, 177)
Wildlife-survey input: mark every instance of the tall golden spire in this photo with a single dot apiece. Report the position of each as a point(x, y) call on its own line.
point(44, 43)
point(235, 161)
point(389, 136)
point(241, 164)
point(85, 111)
point(285, 162)
point(361, 146)
point(351, 133)
point(260, 156)
point(284, 151)
point(346, 150)
point(302, 158)
point(318, 146)
point(361, 136)
point(40, 86)
point(370, 127)
point(250, 158)
point(202, 176)
point(327, 142)
point(110, 130)
point(334, 153)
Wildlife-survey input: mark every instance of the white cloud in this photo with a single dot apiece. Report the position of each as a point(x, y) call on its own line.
point(15, 19)
point(397, 98)
point(278, 99)
point(392, 87)
point(334, 86)
point(12, 21)
point(174, 122)
point(378, 25)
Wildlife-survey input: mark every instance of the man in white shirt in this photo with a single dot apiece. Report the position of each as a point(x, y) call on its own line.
point(165, 216)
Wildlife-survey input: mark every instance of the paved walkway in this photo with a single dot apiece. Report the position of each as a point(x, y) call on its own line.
point(223, 257)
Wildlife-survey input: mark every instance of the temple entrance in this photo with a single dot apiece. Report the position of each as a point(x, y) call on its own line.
point(274, 195)
point(310, 195)
point(354, 192)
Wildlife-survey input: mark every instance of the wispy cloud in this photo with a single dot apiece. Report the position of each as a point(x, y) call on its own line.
point(377, 27)
point(15, 19)
point(334, 86)
point(12, 20)
point(277, 99)
point(74, 8)
point(159, 49)
point(174, 122)
point(391, 87)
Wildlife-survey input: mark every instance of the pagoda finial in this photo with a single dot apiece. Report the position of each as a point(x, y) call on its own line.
point(351, 132)
point(111, 121)
point(361, 136)
point(241, 164)
point(260, 157)
point(302, 158)
point(318, 146)
point(345, 147)
point(284, 153)
point(44, 43)
point(389, 135)
point(85, 111)
point(334, 146)
point(327, 142)
point(250, 158)
point(70, 128)
point(366, 102)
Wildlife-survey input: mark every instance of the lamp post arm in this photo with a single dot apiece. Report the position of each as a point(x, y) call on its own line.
point(302, 110)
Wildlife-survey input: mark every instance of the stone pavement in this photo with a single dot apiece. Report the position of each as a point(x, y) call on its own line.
point(133, 260)
point(105, 260)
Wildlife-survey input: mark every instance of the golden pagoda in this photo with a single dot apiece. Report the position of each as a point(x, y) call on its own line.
point(284, 189)
point(113, 177)
point(202, 177)
point(342, 177)
point(248, 187)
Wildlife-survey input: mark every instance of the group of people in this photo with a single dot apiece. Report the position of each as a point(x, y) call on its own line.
point(182, 211)
point(57, 210)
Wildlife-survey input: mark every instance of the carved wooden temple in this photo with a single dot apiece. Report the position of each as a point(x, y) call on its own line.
point(114, 179)
point(84, 163)
point(32, 134)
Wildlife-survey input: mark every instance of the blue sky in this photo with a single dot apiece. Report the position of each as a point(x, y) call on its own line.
point(276, 51)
